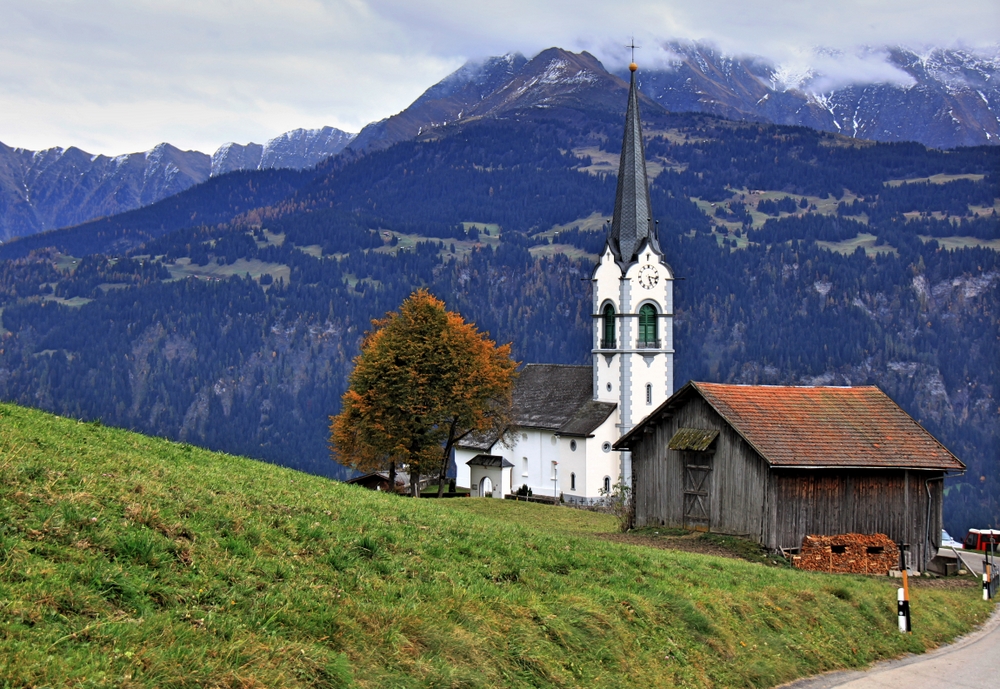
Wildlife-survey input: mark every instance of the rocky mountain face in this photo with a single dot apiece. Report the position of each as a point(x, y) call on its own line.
point(56, 187)
point(555, 79)
point(941, 98)
point(61, 187)
point(295, 150)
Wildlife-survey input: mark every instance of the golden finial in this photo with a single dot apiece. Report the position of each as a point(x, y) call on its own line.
point(632, 66)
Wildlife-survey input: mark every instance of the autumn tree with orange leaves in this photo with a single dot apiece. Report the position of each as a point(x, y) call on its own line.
point(424, 380)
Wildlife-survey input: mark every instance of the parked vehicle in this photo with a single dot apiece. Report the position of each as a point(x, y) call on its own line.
point(982, 539)
point(947, 541)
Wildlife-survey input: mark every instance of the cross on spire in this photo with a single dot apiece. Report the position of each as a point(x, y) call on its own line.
point(633, 46)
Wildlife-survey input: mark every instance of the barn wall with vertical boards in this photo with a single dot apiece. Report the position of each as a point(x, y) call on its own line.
point(892, 502)
point(736, 485)
point(779, 507)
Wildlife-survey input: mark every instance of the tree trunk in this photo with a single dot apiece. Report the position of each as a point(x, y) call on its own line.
point(441, 477)
point(446, 456)
point(392, 477)
point(415, 482)
point(444, 470)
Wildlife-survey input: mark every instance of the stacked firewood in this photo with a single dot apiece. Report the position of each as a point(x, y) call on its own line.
point(849, 553)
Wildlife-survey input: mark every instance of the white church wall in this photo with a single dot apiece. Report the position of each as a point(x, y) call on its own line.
point(604, 461)
point(572, 460)
point(463, 475)
point(529, 452)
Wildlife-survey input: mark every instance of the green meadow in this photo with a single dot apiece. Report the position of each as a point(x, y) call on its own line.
point(131, 561)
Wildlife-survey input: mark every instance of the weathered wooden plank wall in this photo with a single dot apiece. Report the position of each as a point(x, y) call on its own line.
point(779, 507)
point(892, 502)
point(738, 477)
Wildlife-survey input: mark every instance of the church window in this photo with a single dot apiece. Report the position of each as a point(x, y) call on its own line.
point(572, 481)
point(607, 484)
point(649, 393)
point(572, 446)
point(610, 338)
point(647, 327)
point(606, 446)
point(524, 466)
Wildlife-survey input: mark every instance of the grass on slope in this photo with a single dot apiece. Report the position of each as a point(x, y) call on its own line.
point(131, 561)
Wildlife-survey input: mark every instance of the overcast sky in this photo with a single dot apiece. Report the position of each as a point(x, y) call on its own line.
point(116, 76)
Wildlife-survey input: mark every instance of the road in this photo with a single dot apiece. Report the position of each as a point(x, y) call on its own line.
point(969, 663)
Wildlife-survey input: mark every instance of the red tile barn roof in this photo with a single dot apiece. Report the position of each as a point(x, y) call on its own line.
point(816, 427)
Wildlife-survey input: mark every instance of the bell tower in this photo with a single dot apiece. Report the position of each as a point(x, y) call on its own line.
point(633, 304)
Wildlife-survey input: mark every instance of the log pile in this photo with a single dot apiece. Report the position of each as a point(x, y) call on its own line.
point(849, 553)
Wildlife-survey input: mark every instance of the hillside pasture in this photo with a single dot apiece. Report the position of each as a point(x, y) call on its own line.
point(183, 268)
point(132, 561)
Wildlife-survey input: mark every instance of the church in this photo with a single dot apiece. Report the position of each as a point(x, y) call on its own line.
point(568, 417)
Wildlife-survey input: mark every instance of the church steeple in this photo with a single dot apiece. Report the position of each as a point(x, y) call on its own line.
point(633, 218)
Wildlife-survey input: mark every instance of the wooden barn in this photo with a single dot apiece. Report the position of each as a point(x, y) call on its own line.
point(775, 464)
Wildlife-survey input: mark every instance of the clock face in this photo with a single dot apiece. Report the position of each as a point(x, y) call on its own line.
point(648, 277)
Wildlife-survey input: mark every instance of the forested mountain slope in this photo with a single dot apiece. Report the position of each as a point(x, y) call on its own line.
point(64, 187)
point(43, 190)
point(218, 200)
point(805, 257)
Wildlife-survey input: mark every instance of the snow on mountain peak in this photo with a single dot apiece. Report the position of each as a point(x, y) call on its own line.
point(296, 149)
point(791, 77)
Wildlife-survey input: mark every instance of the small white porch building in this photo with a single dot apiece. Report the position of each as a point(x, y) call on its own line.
point(489, 476)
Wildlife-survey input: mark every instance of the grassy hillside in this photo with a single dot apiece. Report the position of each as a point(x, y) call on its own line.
point(131, 561)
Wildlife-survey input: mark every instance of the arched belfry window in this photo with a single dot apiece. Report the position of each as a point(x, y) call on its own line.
point(647, 327)
point(610, 338)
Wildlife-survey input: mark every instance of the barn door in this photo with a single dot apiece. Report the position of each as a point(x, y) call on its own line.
point(697, 490)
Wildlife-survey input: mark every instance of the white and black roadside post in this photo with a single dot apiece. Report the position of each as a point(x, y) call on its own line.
point(903, 595)
point(903, 611)
point(991, 575)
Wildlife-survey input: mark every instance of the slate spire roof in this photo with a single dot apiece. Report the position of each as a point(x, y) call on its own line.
point(633, 218)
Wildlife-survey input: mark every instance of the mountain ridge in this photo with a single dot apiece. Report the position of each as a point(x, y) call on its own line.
point(941, 98)
point(505, 86)
point(63, 187)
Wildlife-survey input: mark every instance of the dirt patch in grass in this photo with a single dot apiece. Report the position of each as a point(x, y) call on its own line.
point(696, 542)
point(946, 583)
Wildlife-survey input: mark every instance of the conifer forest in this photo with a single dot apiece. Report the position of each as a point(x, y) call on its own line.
point(228, 315)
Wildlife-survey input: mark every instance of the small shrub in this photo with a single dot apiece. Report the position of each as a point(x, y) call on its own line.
point(618, 501)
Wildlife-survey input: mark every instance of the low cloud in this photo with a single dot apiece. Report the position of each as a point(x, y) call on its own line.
point(121, 75)
point(835, 71)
